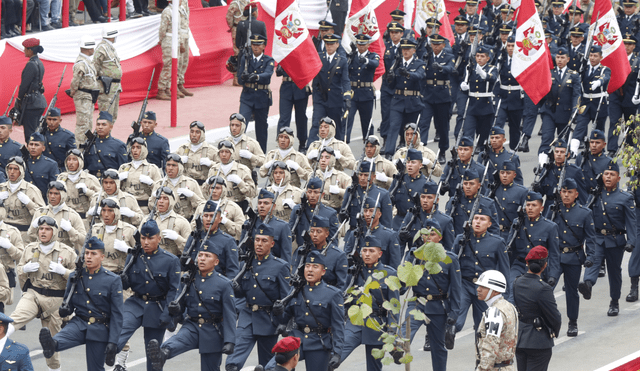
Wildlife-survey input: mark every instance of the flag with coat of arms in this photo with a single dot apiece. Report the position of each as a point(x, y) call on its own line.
point(362, 20)
point(426, 9)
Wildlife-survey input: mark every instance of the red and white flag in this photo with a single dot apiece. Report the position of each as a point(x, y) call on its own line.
point(426, 9)
point(362, 20)
point(292, 44)
point(531, 64)
point(605, 32)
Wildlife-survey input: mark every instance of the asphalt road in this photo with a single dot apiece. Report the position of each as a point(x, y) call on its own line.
point(601, 339)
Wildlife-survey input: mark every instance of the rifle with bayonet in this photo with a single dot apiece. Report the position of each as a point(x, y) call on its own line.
point(42, 126)
point(136, 124)
point(516, 224)
point(12, 98)
point(468, 224)
point(405, 232)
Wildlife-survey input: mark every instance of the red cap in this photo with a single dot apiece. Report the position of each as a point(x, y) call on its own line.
point(252, 5)
point(286, 345)
point(538, 252)
point(31, 42)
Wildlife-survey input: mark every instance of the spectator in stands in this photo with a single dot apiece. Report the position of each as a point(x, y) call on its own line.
point(12, 17)
point(53, 6)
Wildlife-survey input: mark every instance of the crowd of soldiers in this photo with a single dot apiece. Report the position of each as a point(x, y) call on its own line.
point(104, 237)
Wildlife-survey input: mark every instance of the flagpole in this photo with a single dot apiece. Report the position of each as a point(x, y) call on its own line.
point(175, 26)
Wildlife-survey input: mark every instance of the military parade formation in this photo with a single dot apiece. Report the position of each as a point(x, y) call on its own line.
point(223, 246)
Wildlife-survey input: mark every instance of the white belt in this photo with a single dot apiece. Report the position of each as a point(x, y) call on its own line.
point(510, 87)
point(480, 95)
point(596, 95)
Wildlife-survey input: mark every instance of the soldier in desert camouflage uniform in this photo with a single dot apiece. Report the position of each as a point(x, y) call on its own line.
point(84, 80)
point(197, 155)
point(288, 195)
point(164, 82)
point(107, 64)
point(215, 189)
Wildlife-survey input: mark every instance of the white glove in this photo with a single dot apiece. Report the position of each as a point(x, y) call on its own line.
point(57, 268)
point(170, 234)
point(31, 267)
point(5, 243)
point(206, 162)
point(65, 225)
point(574, 145)
point(382, 177)
point(127, 212)
point(337, 154)
point(224, 220)
point(186, 192)
point(146, 179)
point(542, 158)
point(82, 186)
point(245, 154)
point(268, 164)
point(635, 100)
point(123, 175)
point(120, 246)
point(234, 178)
point(95, 211)
point(4, 195)
point(595, 84)
point(464, 86)
point(184, 159)
point(313, 154)
point(289, 202)
point(426, 162)
point(293, 165)
point(334, 189)
point(481, 72)
point(23, 198)
point(34, 223)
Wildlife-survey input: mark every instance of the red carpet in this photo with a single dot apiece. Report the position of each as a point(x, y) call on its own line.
point(633, 365)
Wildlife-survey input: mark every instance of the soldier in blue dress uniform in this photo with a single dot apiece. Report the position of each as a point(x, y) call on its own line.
point(442, 293)
point(355, 335)
point(256, 94)
point(629, 19)
point(8, 146)
point(14, 354)
point(391, 54)
point(372, 191)
point(615, 222)
point(497, 154)
point(326, 28)
point(634, 261)
point(292, 97)
point(511, 100)
point(265, 281)
point(595, 80)
point(157, 145)
point(406, 105)
point(107, 152)
point(576, 48)
point(208, 311)
point(40, 169)
point(509, 197)
point(460, 209)
point(411, 183)
point(596, 160)
point(575, 225)
point(58, 140)
point(459, 166)
point(482, 251)
point(362, 67)
point(558, 21)
point(307, 209)
point(148, 305)
point(331, 88)
point(98, 306)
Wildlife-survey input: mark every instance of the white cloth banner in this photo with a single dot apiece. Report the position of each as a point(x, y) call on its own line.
point(313, 11)
point(135, 37)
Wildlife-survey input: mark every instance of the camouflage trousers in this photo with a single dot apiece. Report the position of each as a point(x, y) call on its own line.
point(105, 99)
point(164, 82)
point(84, 115)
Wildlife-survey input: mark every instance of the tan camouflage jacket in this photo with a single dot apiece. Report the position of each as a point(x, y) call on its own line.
point(125, 200)
point(174, 222)
point(42, 278)
point(281, 210)
point(497, 336)
point(246, 189)
point(193, 168)
point(84, 76)
point(230, 210)
point(77, 202)
point(347, 161)
point(426, 153)
point(252, 146)
point(16, 211)
point(304, 169)
point(132, 184)
point(73, 238)
point(113, 259)
point(184, 206)
point(107, 63)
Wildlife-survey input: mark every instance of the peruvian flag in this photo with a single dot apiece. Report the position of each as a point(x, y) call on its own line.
point(426, 9)
point(531, 63)
point(362, 20)
point(606, 33)
point(292, 46)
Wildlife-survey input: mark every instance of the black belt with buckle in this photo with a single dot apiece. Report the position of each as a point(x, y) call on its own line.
point(149, 297)
point(20, 227)
point(503, 364)
point(317, 330)
point(570, 249)
point(202, 320)
point(49, 292)
point(433, 297)
point(94, 319)
point(256, 307)
point(608, 232)
point(471, 279)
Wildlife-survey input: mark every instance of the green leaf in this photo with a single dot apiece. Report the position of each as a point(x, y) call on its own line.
point(433, 268)
point(387, 338)
point(365, 299)
point(418, 315)
point(413, 298)
point(388, 347)
point(420, 233)
point(407, 358)
point(373, 324)
point(386, 361)
point(410, 274)
point(378, 275)
point(393, 305)
point(393, 283)
point(447, 260)
point(357, 314)
point(377, 353)
point(373, 285)
point(384, 273)
point(434, 252)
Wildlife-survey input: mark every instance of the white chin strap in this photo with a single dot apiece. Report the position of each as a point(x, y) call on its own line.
point(488, 295)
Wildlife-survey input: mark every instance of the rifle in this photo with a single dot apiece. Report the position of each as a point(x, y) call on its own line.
point(557, 199)
point(400, 166)
point(304, 201)
point(515, 229)
point(136, 124)
point(41, 123)
point(467, 226)
point(247, 46)
point(245, 248)
point(185, 258)
point(595, 192)
point(415, 215)
point(572, 24)
point(14, 95)
point(354, 260)
point(297, 281)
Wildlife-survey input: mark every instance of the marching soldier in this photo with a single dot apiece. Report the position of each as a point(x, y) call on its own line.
point(72, 231)
point(326, 28)
point(186, 189)
point(575, 224)
point(58, 140)
point(210, 323)
point(30, 103)
point(478, 253)
point(628, 18)
point(116, 235)
point(303, 212)
point(335, 181)
point(511, 100)
point(80, 185)
point(128, 205)
point(459, 207)
point(472, 15)
point(240, 186)
point(174, 228)
point(108, 71)
point(292, 97)
point(42, 271)
point(40, 169)
point(252, 155)
point(327, 138)
point(335, 259)
point(576, 49)
point(366, 188)
point(429, 164)
point(10, 254)
point(255, 75)
point(297, 162)
point(391, 55)
point(17, 354)
point(290, 195)
point(331, 89)
point(362, 66)
point(497, 334)
point(441, 293)
point(264, 281)
point(404, 188)
point(138, 176)
point(595, 162)
point(280, 229)
point(634, 263)
point(385, 170)
point(355, 335)
point(19, 198)
point(147, 307)
point(454, 171)
point(84, 88)
point(232, 215)
point(97, 303)
point(406, 104)
point(497, 154)
point(8, 146)
point(157, 145)
point(106, 152)
point(615, 222)
point(509, 197)
point(198, 155)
